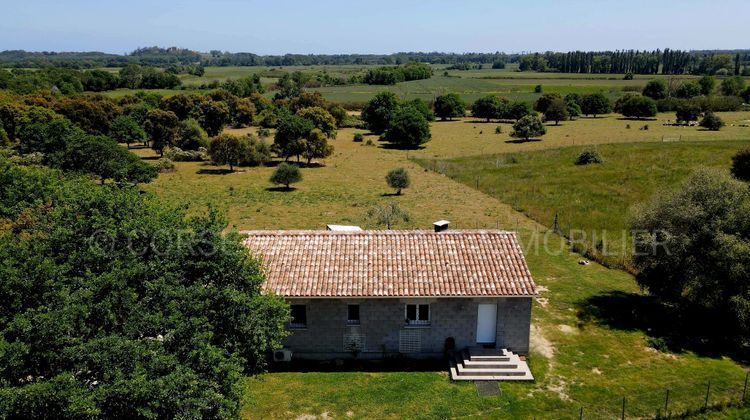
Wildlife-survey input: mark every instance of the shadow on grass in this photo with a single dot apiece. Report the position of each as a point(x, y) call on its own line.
point(393, 364)
point(150, 157)
point(216, 171)
point(393, 194)
point(635, 119)
point(521, 141)
point(668, 327)
point(396, 146)
point(280, 189)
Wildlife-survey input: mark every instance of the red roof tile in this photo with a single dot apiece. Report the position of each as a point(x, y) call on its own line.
point(380, 263)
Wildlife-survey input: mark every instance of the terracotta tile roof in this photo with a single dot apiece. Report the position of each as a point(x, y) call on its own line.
point(393, 263)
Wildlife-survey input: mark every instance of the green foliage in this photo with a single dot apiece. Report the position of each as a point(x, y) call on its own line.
point(378, 111)
point(178, 155)
point(527, 127)
point(190, 135)
point(398, 179)
point(557, 110)
point(498, 65)
point(538, 89)
point(126, 130)
point(518, 110)
point(94, 115)
point(688, 90)
point(707, 84)
point(393, 75)
point(408, 128)
point(387, 215)
point(315, 146)
point(741, 165)
point(694, 246)
point(4, 140)
point(320, 118)
point(588, 157)
point(490, 107)
point(595, 103)
point(114, 305)
point(292, 129)
point(286, 174)
point(161, 127)
point(213, 116)
point(449, 106)
point(181, 105)
point(688, 111)
point(544, 101)
point(656, 89)
point(422, 107)
point(733, 86)
point(165, 165)
point(711, 121)
point(227, 149)
point(636, 106)
point(243, 87)
point(358, 137)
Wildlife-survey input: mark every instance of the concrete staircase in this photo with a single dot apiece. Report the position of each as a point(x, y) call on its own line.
point(479, 364)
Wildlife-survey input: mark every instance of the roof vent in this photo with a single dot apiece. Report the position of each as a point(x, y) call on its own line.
point(441, 225)
point(343, 228)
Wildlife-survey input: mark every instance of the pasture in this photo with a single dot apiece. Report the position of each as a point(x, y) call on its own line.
point(593, 329)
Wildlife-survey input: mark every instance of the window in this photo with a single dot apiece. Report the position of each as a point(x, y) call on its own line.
point(418, 314)
point(299, 316)
point(352, 317)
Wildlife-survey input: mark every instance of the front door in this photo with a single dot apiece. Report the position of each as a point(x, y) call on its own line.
point(486, 323)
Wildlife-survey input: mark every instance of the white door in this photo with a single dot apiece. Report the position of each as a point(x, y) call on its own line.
point(486, 323)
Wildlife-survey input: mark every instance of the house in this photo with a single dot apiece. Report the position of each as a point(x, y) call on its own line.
point(375, 294)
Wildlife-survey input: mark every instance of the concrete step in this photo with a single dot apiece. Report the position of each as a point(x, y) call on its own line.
point(485, 358)
point(509, 371)
point(526, 376)
point(489, 364)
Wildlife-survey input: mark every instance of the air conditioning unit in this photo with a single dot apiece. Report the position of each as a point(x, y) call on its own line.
point(282, 355)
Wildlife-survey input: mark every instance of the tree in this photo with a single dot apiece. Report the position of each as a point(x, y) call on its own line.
point(140, 291)
point(544, 101)
point(181, 105)
point(241, 112)
point(556, 110)
point(595, 103)
point(315, 146)
point(377, 111)
point(289, 133)
point(422, 107)
point(398, 179)
point(449, 106)
point(518, 110)
point(707, 84)
point(746, 95)
point(688, 90)
point(213, 116)
point(408, 128)
point(286, 174)
point(687, 111)
point(227, 149)
point(94, 115)
point(711, 121)
point(656, 89)
point(190, 135)
point(321, 119)
point(489, 107)
point(733, 86)
point(387, 215)
point(527, 127)
point(741, 164)
point(692, 249)
point(636, 106)
point(126, 130)
point(161, 127)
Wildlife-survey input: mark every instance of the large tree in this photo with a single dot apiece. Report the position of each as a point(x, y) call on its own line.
point(228, 149)
point(556, 110)
point(528, 127)
point(595, 104)
point(656, 89)
point(449, 106)
point(377, 111)
point(692, 249)
point(161, 127)
point(291, 130)
point(636, 106)
point(489, 107)
point(213, 116)
point(126, 130)
point(113, 305)
point(408, 128)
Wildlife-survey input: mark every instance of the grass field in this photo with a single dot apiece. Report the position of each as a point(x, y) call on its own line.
point(586, 351)
point(592, 201)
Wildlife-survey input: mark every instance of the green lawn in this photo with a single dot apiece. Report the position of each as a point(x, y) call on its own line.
point(592, 202)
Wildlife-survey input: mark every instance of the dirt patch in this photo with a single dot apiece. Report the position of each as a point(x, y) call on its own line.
point(540, 343)
point(567, 329)
point(323, 415)
point(543, 302)
point(596, 371)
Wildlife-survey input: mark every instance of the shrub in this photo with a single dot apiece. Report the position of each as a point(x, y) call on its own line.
point(688, 111)
point(741, 165)
point(538, 89)
point(286, 174)
point(712, 122)
point(359, 137)
point(499, 129)
point(408, 128)
point(636, 106)
point(165, 165)
point(264, 133)
point(588, 157)
point(527, 127)
point(449, 106)
point(398, 179)
point(658, 343)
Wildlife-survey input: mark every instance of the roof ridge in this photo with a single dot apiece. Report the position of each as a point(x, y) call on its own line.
point(377, 232)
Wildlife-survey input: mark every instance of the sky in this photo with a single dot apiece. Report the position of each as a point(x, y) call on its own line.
point(384, 26)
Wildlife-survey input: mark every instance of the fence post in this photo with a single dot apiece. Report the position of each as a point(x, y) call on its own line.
point(744, 390)
point(708, 391)
point(666, 404)
point(622, 415)
point(581, 416)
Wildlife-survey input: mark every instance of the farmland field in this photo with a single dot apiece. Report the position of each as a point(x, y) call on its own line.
point(586, 350)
